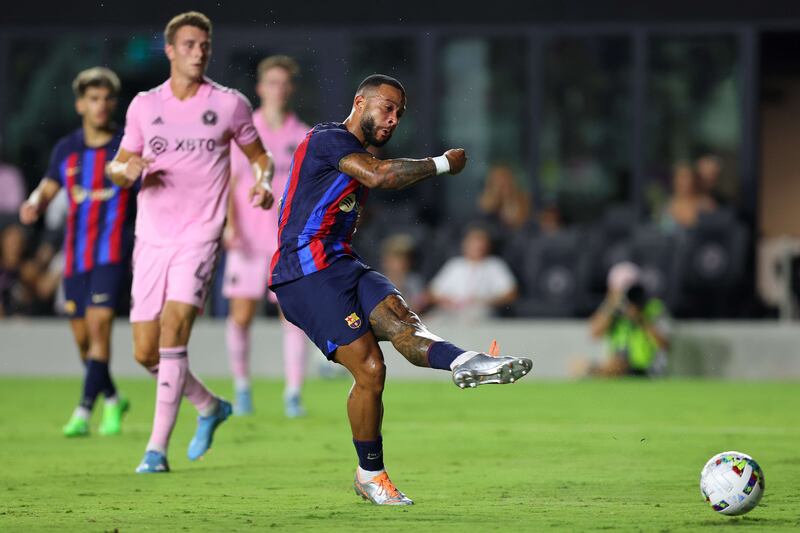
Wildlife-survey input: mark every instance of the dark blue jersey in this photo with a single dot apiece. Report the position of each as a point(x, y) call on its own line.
point(320, 207)
point(100, 218)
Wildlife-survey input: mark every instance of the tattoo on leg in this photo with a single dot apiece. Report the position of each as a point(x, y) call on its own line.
point(392, 320)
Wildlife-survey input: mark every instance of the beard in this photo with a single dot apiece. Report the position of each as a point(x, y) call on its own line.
point(370, 131)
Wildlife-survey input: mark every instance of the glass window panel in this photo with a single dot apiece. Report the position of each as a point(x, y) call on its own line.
point(694, 108)
point(483, 108)
point(585, 158)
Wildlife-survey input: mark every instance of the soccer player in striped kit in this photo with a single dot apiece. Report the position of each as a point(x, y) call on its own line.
point(251, 236)
point(97, 242)
point(345, 306)
point(177, 139)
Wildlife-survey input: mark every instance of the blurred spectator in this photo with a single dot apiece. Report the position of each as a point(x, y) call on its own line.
point(709, 169)
point(503, 199)
point(549, 219)
point(12, 247)
point(12, 186)
point(473, 285)
point(397, 260)
point(687, 201)
point(636, 327)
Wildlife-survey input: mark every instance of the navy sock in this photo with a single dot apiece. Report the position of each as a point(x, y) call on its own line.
point(108, 389)
point(370, 453)
point(442, 353)
point(93, 383)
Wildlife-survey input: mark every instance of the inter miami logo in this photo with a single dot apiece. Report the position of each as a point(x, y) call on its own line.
point(353, 321)
point(158, 145)
point(209, 118)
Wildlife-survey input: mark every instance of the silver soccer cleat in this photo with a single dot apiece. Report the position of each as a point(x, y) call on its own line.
point(381, 491)
point(482, 369)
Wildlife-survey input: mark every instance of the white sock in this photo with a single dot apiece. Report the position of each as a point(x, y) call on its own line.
point(369, 475)
point(112, 400)
point(291, 391)
point(461, 359)
point(156, 448)
point(82, 412)
point(241, 384)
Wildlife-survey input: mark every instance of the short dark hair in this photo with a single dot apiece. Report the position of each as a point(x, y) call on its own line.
point(190, 18)
point(95, 77)
point(376, 80)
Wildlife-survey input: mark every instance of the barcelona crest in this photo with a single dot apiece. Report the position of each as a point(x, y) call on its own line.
point(353, 321)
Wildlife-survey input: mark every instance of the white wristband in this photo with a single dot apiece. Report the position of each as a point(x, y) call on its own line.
point(117, 168)
point(35, 198)
point(442, 164)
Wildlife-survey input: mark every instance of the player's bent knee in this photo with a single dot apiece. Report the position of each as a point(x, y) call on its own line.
point(372, 374)
point(146, 358)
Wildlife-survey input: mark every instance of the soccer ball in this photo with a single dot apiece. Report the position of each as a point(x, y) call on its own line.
point(732, 483)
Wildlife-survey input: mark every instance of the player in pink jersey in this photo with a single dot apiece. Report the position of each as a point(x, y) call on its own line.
point(251, 236)
point(177, 138)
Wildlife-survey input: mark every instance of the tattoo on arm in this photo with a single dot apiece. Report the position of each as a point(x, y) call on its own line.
point(392, 320)
point(388, 174)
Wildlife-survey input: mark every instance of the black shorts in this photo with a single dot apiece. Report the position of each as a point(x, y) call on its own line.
point(333, 305)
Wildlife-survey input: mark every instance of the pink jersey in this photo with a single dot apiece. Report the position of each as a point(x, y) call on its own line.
point(184, 195)
point(257, 229)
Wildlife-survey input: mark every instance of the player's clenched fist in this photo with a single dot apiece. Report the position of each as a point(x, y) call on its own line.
point(28, 212)
point(457, 158)
point(261, 195)
point(135, 167)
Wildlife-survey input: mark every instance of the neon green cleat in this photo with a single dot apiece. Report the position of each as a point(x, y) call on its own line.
point(111, 424)
point(76, 427)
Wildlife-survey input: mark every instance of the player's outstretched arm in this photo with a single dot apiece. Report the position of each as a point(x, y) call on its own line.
point(36, 204)
point(400, 173)
point(126, 168)
point(263, 169)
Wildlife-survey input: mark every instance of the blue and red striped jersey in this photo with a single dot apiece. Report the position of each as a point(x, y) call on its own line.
point(100, 217)
point(320, 207)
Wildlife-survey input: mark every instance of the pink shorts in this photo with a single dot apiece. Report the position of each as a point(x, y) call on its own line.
point(181, 273)
point(246, 274)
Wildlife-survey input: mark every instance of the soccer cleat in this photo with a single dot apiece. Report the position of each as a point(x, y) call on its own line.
point(111, 423)
point(381, 491)
point(293, 407)
point(153, 463)
point(483, 369)
point(244, 403)
point(206, 426)
point(76, 427)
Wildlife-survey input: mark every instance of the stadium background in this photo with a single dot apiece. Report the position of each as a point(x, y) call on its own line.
point(591, 103)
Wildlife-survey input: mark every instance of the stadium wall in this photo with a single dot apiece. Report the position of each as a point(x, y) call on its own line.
point(728, 350)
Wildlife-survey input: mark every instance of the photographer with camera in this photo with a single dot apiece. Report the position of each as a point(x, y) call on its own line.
point(635, 326)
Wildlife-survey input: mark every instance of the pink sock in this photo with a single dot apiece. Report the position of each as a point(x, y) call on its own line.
point(294, 356)
point(172, 369)
point(238, 341)
point(195, 391)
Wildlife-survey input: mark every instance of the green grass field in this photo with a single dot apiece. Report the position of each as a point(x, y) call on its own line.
point(567, 456)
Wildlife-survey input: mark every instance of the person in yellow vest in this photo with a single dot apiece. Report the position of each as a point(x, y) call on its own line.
point(636, 327)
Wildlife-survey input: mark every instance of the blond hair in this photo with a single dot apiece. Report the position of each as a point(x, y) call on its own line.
point(95, 77)
point(190, 18)
point(285, 62)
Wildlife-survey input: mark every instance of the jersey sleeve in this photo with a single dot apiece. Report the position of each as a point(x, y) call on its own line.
point(330, 146)
point(54, 168)
point(244, 131)
point(133, 138)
